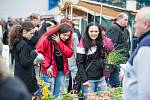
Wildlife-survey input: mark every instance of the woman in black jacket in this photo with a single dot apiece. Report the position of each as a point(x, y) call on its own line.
point(24, 56)
point(90, 61)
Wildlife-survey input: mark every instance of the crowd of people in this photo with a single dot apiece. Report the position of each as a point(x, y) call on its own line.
point(61, 51)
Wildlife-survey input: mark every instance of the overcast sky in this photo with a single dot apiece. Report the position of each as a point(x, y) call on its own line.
point(22, 8)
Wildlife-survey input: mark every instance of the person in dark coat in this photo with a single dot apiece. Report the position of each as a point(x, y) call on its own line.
point(8, 26)
point(11, 88)
point(90, 60)
point(120, 38)
point(119, 34)
point(24, 55)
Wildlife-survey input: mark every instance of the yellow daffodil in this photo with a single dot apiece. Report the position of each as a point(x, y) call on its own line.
point(41, 81)
point(45, 91)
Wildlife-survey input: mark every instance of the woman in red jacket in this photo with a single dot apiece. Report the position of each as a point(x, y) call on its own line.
point(56, 47)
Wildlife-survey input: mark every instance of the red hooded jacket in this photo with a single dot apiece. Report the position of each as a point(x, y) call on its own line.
point(43, 47)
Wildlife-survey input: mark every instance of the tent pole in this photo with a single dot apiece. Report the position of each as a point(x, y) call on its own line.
point(101, 11)
point(87, 17)
point(71, 12)
point(66, 13)
point(94, 16)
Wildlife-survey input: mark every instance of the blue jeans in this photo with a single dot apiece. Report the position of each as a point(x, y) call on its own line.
point(58, 83)
point(95, 86)
point(48, 81)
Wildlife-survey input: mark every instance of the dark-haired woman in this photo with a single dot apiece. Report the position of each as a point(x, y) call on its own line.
point(90, 60)
point(24, 56)
point(56, 47)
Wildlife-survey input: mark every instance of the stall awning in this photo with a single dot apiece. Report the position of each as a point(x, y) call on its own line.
point(96, 8)
point(106, 9)
point(86, 10)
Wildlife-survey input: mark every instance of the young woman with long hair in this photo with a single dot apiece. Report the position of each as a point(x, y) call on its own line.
point(90, 61)
point(56, 47)
point(19, 37)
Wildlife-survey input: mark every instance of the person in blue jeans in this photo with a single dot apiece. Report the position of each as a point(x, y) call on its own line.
point(90, 61)
point(56, 46)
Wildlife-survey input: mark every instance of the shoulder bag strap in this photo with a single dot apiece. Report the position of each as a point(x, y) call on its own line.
point(50, 54)
point(91, 63)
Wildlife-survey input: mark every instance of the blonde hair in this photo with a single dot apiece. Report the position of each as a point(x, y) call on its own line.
point(120, 15)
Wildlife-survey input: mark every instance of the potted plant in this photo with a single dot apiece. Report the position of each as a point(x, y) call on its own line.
point(115, 58)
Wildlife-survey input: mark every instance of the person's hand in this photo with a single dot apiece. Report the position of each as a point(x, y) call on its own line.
point(50, 71)
point(86, 84)
point(56, 37)
point(122, 71)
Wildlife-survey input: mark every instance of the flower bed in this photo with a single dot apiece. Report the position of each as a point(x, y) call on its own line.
point(110, 94)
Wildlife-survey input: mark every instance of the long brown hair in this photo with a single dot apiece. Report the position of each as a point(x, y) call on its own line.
point(16, 32)
point(14, 35)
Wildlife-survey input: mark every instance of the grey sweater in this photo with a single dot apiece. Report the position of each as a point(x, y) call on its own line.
point(136, 85)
